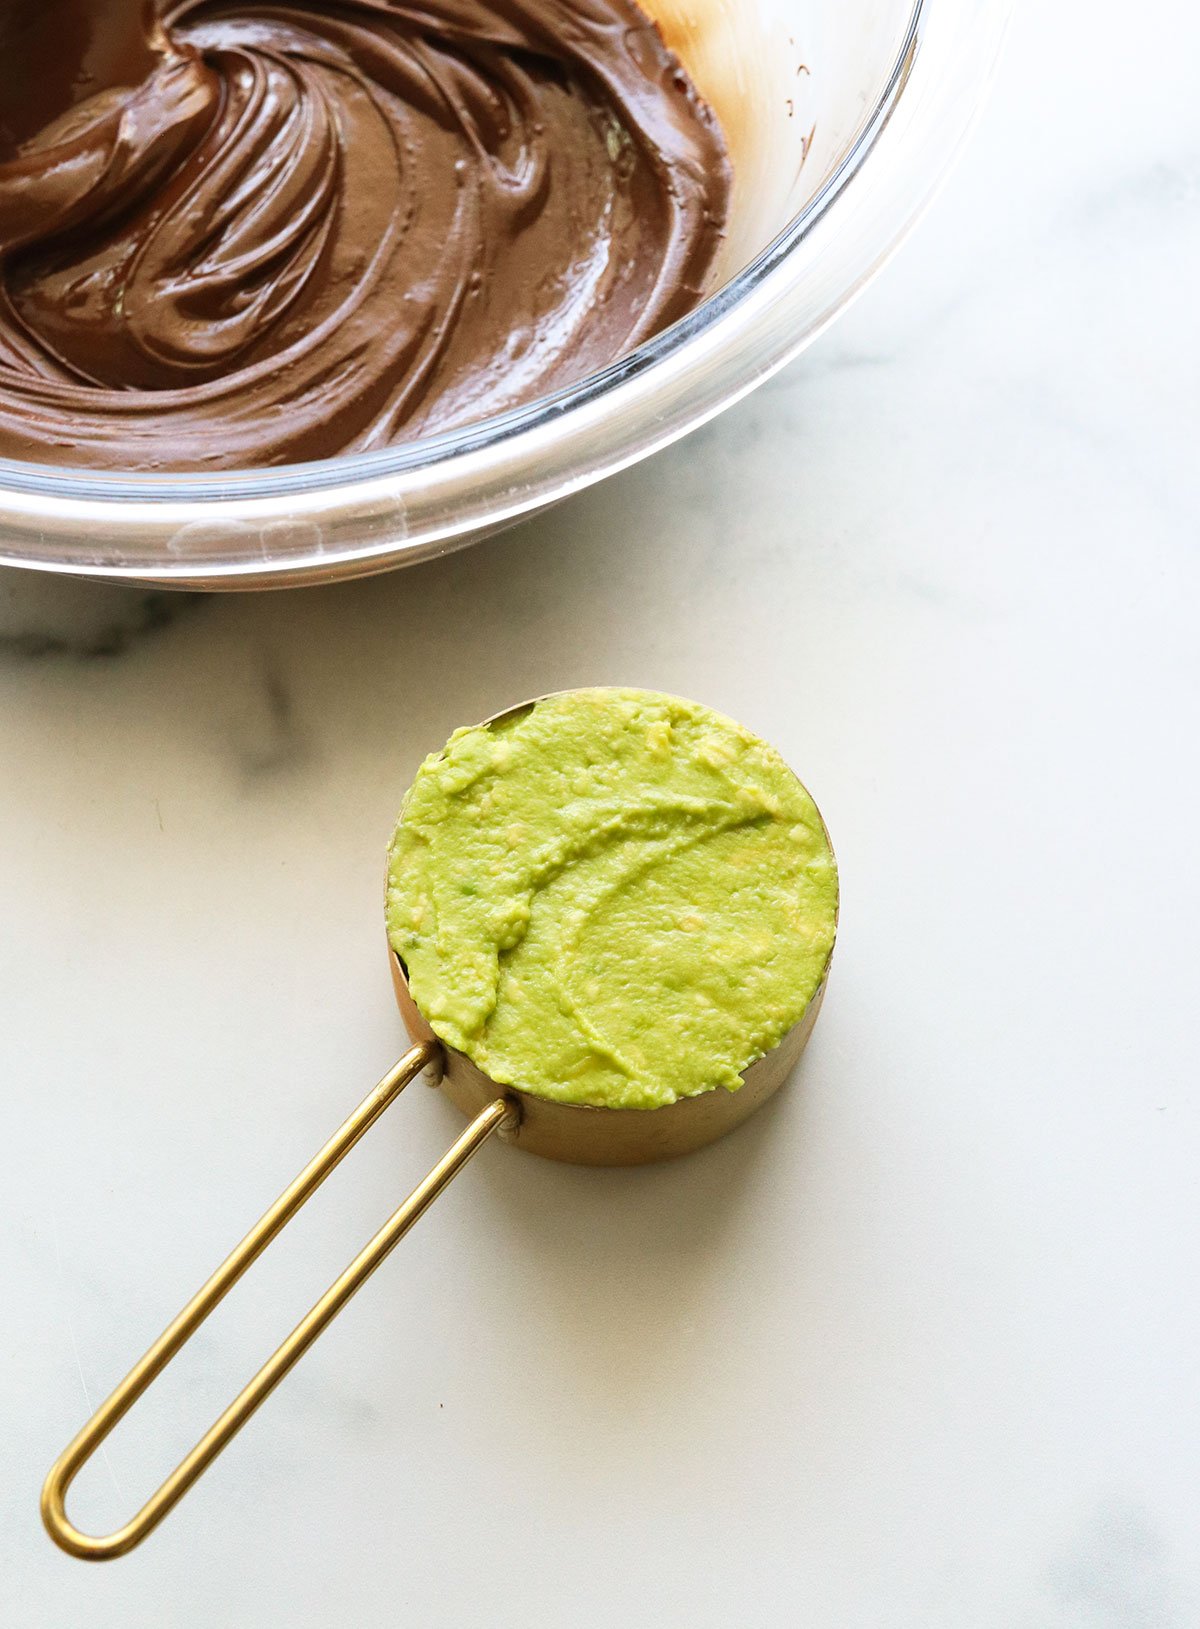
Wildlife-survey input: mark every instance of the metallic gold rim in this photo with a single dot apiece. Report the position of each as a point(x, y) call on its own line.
point(585, 1134)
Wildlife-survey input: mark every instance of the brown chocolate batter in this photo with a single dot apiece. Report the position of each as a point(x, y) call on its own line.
point(257, 233)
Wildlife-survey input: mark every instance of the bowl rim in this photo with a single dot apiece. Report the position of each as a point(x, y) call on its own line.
point(370, 511)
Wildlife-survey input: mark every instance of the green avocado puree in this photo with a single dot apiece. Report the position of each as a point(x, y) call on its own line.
point(614, 897)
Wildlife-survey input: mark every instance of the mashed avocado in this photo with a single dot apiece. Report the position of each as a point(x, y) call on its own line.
point(614, 897)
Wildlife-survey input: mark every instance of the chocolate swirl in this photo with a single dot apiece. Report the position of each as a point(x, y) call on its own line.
point(262, 233)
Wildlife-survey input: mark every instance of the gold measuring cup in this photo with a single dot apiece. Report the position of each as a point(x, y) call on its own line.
point(572, 1132)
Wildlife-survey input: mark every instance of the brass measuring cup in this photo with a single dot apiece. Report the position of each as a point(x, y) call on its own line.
point(572, 1132)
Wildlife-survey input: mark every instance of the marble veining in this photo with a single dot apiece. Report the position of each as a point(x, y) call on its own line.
point(917, 1347)
point(40, 620)
point(1115, 1572)
point(270, 740)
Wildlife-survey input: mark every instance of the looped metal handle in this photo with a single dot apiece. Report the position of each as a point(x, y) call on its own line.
point(227, 1425)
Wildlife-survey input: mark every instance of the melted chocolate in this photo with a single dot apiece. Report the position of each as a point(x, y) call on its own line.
point(258, 233)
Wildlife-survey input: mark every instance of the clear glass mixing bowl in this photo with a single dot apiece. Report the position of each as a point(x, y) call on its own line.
point(842, 117)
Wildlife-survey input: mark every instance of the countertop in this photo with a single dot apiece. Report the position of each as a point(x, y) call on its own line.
point(918, 1347)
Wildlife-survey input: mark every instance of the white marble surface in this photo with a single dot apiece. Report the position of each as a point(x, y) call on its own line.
point(920, 1347)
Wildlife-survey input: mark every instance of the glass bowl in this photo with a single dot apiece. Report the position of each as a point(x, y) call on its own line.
point(842, 117)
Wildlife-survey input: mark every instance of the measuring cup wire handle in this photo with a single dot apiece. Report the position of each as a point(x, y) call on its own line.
point(228, 1424)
